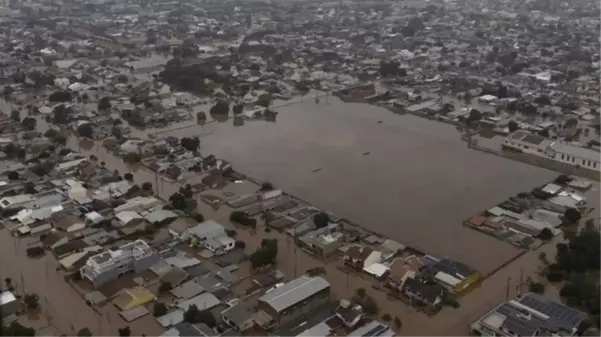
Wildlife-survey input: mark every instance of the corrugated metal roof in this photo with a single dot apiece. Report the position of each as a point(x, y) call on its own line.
point(294, 291)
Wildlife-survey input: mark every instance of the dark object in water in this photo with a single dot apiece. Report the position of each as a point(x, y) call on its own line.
point(316, 170)
point(366, 153)
point(379, 122)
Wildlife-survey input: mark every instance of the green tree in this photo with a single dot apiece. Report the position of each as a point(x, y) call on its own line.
point(238, 109)
point(29, 123)
point(264, 100)
point(386, 318)
point(60, 96)
point(266, 254)
point(397, 322)
point(159, 309)
point(193, 315)
point(13, 175)
point(164, 287)
point(201, 117)
point(129, 177)
point(16, 329)
point(147, 186)
point(546, 234)
point(125, 331)
point(220, 108)
point(321, 219)
point(513, 126)
point(60, 114)
point(85, 332)
point(86, 130)
point(15, 115)
point(51, 134)
point(475, 115)
point(104, 103)
point(572, 215)
point(190, 143)
point(536, 287)
point(178, 201)
point(32, 301)
point(361, 293)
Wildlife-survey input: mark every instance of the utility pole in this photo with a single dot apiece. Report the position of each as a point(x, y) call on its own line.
point(521, 282)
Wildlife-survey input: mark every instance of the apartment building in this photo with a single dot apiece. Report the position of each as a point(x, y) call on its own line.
point(135, 256)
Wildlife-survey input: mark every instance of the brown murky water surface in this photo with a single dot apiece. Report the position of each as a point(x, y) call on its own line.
point(408, 178)
point(416, 185)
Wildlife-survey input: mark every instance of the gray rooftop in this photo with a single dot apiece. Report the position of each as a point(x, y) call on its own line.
point(202, 302)
point(238, 314)
point(373, 328)
point(208, 228)
point(294, 292)
point(523, 317)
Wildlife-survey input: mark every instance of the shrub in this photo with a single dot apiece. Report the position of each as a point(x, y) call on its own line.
point(159, 309)
point(198, 217)
point(164, 287)
point(321, 219)
point(35, 251)
point(32, 301)
point(546, 234)
point(397, 322)
point(536, 287)
point(386, 318)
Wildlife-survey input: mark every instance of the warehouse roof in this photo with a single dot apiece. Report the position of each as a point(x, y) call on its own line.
point(294, 292)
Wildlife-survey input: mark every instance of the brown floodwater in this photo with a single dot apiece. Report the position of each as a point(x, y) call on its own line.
point(406, 177)
point(421, 166)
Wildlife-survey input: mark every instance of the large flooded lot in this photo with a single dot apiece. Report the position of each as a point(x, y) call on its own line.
point(406, 177)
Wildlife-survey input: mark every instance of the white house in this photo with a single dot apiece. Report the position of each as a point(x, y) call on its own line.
point(212, 236)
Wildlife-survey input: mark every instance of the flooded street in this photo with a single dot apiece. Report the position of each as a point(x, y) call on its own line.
point(405, 177)
point(61, 306)
point(408, 178)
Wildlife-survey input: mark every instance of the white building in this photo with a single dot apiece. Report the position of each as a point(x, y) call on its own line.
point(134, 256)
point(212, 236)
point(526, 142)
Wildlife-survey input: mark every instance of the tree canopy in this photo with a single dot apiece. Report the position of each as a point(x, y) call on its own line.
point(321, 219)
point(16, 329)
point(159, 309)
point(86, 130)
point(243, 218)
point(266, 254)
point(238, 108)
point(220, 108)
point(29, 123)
point(85, 332)
point(60, 96)
point(264, 100)
point(190, 143)
point(194, 315)
point(572, 215)
point(104, 103)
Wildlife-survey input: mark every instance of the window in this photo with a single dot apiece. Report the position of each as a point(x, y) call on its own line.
point(594, 165)
point(573, 159)
point(563, 157)
point(583, 162)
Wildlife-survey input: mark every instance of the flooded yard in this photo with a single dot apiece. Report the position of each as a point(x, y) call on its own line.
point(406, 177)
